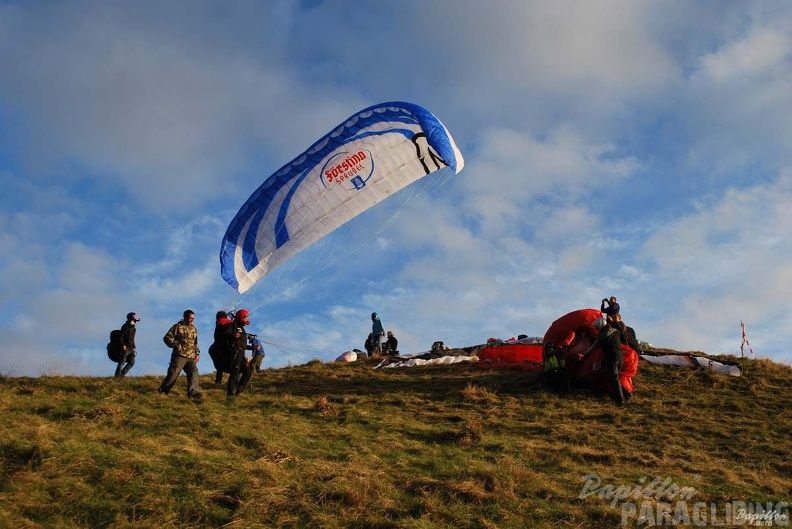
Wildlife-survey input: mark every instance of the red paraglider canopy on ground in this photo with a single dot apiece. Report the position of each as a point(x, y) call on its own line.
point(574, 333)
point(524, 356)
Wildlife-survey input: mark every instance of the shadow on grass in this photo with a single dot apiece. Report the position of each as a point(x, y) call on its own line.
point(427, 381)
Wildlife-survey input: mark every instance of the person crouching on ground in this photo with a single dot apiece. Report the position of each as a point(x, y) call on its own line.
point(392, 345)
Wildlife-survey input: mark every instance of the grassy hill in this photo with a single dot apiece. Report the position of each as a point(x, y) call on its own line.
point(342, 445)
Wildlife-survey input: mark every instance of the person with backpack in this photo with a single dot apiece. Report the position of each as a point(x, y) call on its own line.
point(127, 346)
point(233, 342)
point(220, 351)
point(182, 337)
point(628, 335)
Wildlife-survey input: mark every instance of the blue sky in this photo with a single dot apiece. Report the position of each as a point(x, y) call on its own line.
point(635, 149)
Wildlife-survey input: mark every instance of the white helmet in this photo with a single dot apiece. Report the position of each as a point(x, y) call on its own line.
point(599, 323)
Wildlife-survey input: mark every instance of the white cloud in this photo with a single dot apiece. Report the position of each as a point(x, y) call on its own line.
point(516, 175)
point(760, 51)
point(133, 131)
point(166, 111)
point(726, 262)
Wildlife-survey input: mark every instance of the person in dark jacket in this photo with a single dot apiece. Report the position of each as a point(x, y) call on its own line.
point(609, 340)
point(369, 345)
point(234, 341)
point(392, 345)
point(612, 309)
point(182, 337)
point(627, 334)
point(219, 351)
point(128, 347)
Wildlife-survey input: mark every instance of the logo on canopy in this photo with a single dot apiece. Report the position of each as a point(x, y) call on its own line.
point(345, 168)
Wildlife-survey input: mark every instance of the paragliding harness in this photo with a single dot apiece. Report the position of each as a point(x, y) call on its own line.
point(115, 347)
point(222, 349)
point(554, 373)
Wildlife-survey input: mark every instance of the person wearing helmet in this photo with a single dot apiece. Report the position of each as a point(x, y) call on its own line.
point(378, 333)
point(609, 340)
point(240, 370)
point(128, 331)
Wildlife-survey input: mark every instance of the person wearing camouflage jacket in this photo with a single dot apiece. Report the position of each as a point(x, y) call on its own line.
point(183, 339)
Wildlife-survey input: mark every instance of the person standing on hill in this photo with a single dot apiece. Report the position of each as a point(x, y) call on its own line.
point(182, 337)
point(612, 309)
point(609, 340)
point(220, 350)
point(628, 335)
point(378, 333)
point(369, 345)
point(258, 353)
point(128, 347)
point(235, 342)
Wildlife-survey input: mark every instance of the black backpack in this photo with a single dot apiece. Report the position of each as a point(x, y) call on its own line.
point(115, 347)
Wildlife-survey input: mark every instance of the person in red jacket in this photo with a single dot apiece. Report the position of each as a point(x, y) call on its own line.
point(220, 351)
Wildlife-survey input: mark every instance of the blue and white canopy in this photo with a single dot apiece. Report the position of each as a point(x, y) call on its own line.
point(366, 159)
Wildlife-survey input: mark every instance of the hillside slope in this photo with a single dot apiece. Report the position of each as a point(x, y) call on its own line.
point(342, 445)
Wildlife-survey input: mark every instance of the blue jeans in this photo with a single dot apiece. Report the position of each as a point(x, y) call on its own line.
point(129, 360)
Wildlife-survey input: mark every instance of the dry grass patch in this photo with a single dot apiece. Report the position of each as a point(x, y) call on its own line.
point(479, 394)
point(325, 408)
point(344, 446)
point(472, 432)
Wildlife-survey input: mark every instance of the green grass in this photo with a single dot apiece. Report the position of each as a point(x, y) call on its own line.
point(342, 445)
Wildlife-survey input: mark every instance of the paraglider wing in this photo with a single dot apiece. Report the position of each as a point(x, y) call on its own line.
point(370, 156)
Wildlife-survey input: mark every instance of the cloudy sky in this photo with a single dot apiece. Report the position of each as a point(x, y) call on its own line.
point(635, 149)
